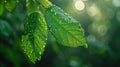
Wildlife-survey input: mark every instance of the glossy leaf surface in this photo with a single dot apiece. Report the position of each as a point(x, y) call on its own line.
point(65, 29)
point(34, 39)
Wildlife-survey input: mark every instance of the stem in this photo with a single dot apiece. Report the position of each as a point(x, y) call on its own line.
point(43, 5)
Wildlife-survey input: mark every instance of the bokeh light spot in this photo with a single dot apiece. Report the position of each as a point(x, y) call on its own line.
point(79, 5)
point(116, 3)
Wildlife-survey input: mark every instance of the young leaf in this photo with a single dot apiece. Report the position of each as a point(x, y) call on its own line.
point(65, 29)
point(34, 40)
point(10, 4)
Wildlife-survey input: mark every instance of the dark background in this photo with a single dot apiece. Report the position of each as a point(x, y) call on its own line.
point(100, 20)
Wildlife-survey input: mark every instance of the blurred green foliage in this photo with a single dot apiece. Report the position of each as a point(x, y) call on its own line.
point(100, 20)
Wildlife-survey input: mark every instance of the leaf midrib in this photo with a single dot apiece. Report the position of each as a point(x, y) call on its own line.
point(63, 27)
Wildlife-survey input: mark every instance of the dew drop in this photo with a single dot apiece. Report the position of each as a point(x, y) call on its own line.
point(40, 53)
point(22, 40)
point(24, 50)
point(46, 39)
point(39, 58)
point(31, 52)
point(49, 26)
point(5, 1)
point(55, 13)
point(29, 56)
point(50, 30)
point(51, 10)
point(54, 29)
point(30, 31)
point(69, 21)
point(65, 19)
point(43, 46)
point(27, 23)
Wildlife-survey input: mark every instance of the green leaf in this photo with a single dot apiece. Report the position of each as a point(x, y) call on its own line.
point(34, 39)
point(11, 4)
point(65, 29)
point(1, 8)
point(31, 6)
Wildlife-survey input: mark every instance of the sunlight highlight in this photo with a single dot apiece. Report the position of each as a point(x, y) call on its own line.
point(79, 5)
